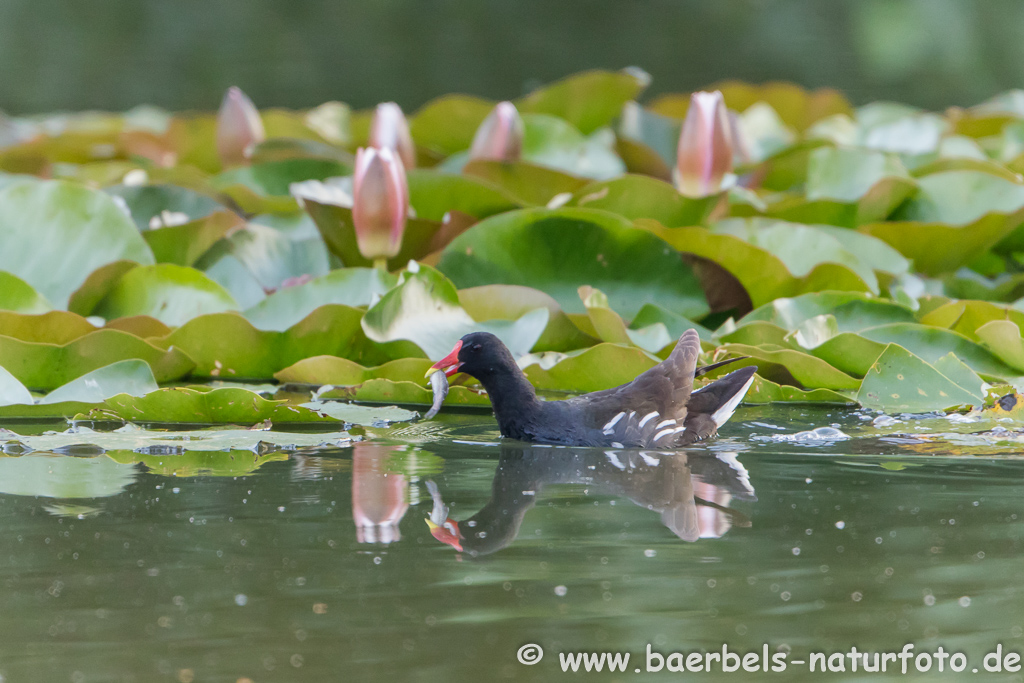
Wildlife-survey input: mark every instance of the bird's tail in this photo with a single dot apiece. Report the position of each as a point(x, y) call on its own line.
point(720, 398)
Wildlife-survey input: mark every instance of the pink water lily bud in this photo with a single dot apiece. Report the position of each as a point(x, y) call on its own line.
point(239, 128)
point(705, 146)
point(390, 130)
point(380, 202)
point(500, 136)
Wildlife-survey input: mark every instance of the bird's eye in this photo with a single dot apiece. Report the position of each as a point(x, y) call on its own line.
point(477, 347)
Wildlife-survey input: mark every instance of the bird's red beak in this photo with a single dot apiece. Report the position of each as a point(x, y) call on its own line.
point(450, 363)
point(448, 533)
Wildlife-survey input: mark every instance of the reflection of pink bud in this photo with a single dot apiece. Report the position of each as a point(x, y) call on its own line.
point(705, 146)
point(379, 496)
point(390, 130)
point(500, 136)
point(713, 523)
point(239, 128)
point(380, 202)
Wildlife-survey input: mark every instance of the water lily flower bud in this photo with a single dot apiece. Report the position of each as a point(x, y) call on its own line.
point(380, 202)
point(239, 128)
point(500, 136)
point(705, 146)
point(390, 130)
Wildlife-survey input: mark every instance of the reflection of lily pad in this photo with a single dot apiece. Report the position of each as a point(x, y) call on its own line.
point(58, 476)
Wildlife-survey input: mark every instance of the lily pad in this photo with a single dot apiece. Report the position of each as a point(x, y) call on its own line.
point(766, 391)
point(147, 202)
point(510, 302)
point(182, 404)
point(529, 184)
point(634, 196)
point(12, 392)
point(17, 295)
point(424, 309)
point(1003, 338)
point(184, 244)
point(433, 194)
point(132, 377)
point(557, 251)
point(405, 392)
point(447, 124)
point(341, 371)
point(811, 372)
point(273, 178)
point(555, 143)
point(900, 381)
point(588, 100)
point(853, 312)
point(59, 227)
point(171, 294)
point(603, 366)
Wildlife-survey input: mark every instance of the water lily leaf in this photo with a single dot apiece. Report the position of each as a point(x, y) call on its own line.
point(893, 127)
point(17, 295)
point(99, 283)
point(421, 236)
point(434, 194)
point(182, 404)
point(811, 372)
point(142, 326)
point(654, 132)
point(527, 183)
point(559, 250)
point(610, 327)
point(424, 309)
point(349, 286)
point(370, 416)
point(766, 391)
point(510, 302)
point(59, 227)
point(555, 143)
point(171, 294)
point(870, 250)
point(634, 196)
point(652, 314)
point(269, 255)
point(342, 372)
point(588, 100)
point(966, 317)
point(44, 366)
point(193, 137)
point(405, 392)
point(184, 244)
point(273, 178)
point(932, 343)
point(641, 159)
point(227, 346)
point(149, 202)
point(849, 352)
point(1002, 337)
point(853, 312)
point(900, 381)
point(756, 333)
point(962, 197)
point(600, 367)
point(12, 392)
point(447, 124)
point(132, 377)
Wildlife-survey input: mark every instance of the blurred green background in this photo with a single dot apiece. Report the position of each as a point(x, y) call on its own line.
point(179, 54)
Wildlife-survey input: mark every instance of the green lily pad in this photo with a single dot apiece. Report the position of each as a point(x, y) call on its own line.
point(588, 100)
point(529, 184)
point(349, 286)
point(273, 178)
point(99, 283)
point(132, 377)
point(766, 391)
point(268, 255)
point(59, 227)
point(405, 392)
point(849, 352)
point(370, 416)
point(559, 250)
point(147, 202)
point(12, 392)
point(900, 381)
point(227, 346)
point(966, 317)
point(811, 372)
point(171, 294)
point(424, 309)
point(17, 295)
point(603, 366)
point(184, 244)
point(675, 324)
point(447, 124)
point(342, 372)
point(181, 404)
point(555, 143)
point(511, 302)
point(653, 133)
point(433, 194)
point(44, 366)
point(853, 311)
point(1003, 338)
point(634, 196)
point(610, 327)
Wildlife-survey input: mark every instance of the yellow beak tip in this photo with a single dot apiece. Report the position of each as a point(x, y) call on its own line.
point(431, 524)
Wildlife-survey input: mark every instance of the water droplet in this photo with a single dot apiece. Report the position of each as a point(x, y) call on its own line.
point(241, 599)
point(560, 591)
point(650, 552)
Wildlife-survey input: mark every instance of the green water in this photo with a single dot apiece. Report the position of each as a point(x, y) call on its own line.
point(806, 546)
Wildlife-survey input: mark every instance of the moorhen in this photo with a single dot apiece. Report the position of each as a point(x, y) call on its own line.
point(658, 409)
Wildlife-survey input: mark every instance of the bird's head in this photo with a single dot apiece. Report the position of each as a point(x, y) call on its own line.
point(477, 354)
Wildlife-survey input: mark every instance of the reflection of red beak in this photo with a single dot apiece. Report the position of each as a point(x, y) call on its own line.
point(448, 533)
point(450, 363)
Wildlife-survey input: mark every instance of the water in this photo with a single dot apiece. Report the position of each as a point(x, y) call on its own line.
point(806, 545)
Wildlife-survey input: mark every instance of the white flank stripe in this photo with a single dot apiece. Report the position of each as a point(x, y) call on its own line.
point(647, 418)
point(610, 425)
point(722, 415)
point(663, 432)
point(665, 423)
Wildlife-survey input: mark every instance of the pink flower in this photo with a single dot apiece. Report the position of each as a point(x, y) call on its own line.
point(239, 128)
point(705, 146)
point(390, 130)
point(380, 202)
point(500, 136)
point(379, 495)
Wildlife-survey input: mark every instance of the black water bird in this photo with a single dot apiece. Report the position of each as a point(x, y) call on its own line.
point(658, 409)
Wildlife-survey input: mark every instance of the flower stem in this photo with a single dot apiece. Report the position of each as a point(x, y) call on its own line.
point(381, 264)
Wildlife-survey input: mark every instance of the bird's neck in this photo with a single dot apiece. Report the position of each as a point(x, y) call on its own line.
point(514, 401)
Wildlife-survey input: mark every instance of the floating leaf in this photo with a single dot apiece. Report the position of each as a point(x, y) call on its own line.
point(348, 286)
point(553, 142)
point(59, 227)
point(634, 196)
point(529, 184)
point(766, 391)
point(611, 328)
point(424, 309)
point(341, 371)
point(273, 178)
point(966, 317)
point(900, 381)
point(171, 294)
point(1002, 337)
point(181, 404)
point(600, 367)
point(184, 244)
point(588, 100)
point(149, 202)
point(12, 392)
point(433, 194)
point(811, 372)
point(447, 124)
point(511, 302)
point(132, 377)
point(17, 295)
point(559, 250)
point(853, 312)
point(270, 256)
point(405, 392)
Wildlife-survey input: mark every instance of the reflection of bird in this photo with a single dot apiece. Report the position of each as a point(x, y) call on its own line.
point(689, 490)
point(658, 409)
